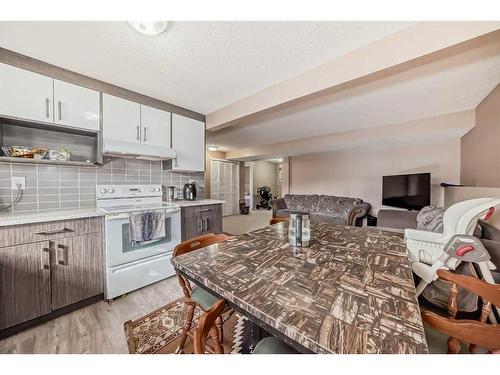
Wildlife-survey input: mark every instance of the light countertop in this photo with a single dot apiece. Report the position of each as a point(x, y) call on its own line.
point(18, 218)
point(198, 202)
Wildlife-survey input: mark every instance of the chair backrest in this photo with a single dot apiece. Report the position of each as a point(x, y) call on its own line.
point(276, 220)
point(192, 245)
point(206, 323)
point(462, 217)
point(474, 332)
point(198, 243)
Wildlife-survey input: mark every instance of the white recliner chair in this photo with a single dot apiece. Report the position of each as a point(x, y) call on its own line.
point(425, 248)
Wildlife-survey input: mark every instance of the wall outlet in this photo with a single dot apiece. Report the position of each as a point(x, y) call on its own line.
point(18, 181)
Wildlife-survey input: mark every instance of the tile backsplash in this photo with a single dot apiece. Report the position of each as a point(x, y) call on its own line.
point(56, 186)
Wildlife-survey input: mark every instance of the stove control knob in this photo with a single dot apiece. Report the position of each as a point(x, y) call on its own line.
point(158, 189)
point(103, 191)
point(152, 190)
point(111, 191)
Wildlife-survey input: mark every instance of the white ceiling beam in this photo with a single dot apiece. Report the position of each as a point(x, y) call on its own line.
point(437, 127)
point(405, 49)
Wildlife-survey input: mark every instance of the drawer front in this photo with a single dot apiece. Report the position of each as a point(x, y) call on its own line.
point(22, 234)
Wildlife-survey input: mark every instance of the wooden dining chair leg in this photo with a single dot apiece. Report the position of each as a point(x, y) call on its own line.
point(453, 345)
point(217, 342)
point(220, 330)
point(185, 330)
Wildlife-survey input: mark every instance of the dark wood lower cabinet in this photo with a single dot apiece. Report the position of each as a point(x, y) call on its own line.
point(199, 220)
point(77, 269)
point(44, 276)
point(24, 283)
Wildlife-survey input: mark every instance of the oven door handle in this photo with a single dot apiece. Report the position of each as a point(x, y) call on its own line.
point(117, 217)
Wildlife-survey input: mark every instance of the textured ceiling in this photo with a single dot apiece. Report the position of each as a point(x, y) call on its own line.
point(448, 85)
point(202, 66)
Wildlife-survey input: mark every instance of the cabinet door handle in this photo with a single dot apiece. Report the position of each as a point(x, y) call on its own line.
point(205, 210)
point(200, 225)
point(54, 231)
point(60, 260)
point(206, 223)
point(138, 133)
point(43, 265)
point(145, 138)
point(59, 109)
point(47, 108)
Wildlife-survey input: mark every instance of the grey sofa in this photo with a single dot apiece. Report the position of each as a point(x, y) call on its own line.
point(489, 235)
point(323, 208)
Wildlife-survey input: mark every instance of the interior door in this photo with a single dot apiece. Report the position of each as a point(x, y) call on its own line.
point(24, 283)
point(25, 94)
point(155, 125)
point(224, 185)
point(77, 269)
point(76, 106)
point(121, 119)
point(188, 140)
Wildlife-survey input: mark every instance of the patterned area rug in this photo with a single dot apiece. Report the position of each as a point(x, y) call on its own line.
point(159, 332)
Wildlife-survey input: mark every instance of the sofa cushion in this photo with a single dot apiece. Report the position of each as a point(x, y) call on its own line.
point(430, 219)
point(336, 206)
point(283, 213)
point(306, 203)
point(324, 218)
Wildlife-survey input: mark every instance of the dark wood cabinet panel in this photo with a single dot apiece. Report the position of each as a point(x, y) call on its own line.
point(77, 269)
point(59, 264)
point(199, 220)
point(27, 233)
point(24, 283)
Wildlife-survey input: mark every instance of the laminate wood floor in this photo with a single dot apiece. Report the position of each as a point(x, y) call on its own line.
point(93, 329)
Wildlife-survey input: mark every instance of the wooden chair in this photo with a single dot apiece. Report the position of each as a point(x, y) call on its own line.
point(207, 330)
point(476, 333)
point(196, 297)
point(276, 220)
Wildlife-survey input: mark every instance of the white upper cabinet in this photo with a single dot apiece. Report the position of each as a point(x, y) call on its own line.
point(76, 106)
point(121, 119)
point(155, 126)
point(188, 140)
point(25, 94)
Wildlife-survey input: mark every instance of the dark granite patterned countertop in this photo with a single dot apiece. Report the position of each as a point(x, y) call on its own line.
point(351, 291)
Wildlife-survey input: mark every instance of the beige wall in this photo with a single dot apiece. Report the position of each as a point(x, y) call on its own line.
point(358, 172)
point(481, 146)
point(265, 174)
point(453, 195)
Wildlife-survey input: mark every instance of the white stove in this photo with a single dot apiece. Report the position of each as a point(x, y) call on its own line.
point(131, 265)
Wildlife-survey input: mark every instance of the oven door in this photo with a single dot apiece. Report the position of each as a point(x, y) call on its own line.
point(119, 248)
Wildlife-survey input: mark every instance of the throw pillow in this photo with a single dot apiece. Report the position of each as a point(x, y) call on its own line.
point(430, 219)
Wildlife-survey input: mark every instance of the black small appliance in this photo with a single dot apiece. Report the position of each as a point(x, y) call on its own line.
point(189, 191)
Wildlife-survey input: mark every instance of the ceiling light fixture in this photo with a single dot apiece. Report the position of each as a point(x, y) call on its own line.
point(212, 148)
point(149, 27)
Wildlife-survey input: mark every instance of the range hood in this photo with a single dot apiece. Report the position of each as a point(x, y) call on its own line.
point(124, 149)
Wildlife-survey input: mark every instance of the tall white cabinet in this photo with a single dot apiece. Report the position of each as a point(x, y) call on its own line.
point(26, 95)
point(225, 185)
point(188, 140)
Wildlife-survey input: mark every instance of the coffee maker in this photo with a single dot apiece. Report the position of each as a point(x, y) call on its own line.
point(189, 191)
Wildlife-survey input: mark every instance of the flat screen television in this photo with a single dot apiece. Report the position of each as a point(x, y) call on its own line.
point(410, 191)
